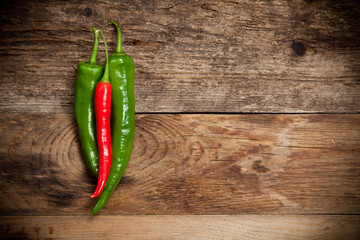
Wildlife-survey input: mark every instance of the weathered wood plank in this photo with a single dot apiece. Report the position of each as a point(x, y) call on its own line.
point(191, 56)
point(188, 164)
point(182, 227)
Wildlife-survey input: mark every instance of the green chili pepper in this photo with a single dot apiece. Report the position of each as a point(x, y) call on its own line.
point(123, 118)
point(88, 75)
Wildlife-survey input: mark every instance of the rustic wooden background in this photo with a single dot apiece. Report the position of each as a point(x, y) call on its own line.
point(247, 120)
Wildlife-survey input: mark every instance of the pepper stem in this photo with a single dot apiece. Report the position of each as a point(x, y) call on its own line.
point(105, 77)
point(119, 39)
point(95, 48)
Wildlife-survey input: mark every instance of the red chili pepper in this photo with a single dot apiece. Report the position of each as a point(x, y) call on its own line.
point(103, 123)
point(103, 115)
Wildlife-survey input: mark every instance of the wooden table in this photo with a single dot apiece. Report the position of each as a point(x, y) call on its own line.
point(247, 123)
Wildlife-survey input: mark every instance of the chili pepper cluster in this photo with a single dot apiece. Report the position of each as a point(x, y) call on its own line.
point(105, 114)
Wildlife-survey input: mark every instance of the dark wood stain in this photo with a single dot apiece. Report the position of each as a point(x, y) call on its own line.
point(258, 167)
point(298, 48)
point(6, 232)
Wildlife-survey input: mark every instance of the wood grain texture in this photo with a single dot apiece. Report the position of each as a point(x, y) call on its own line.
point(188, 164)
point(182, 227)
point(191, 56)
